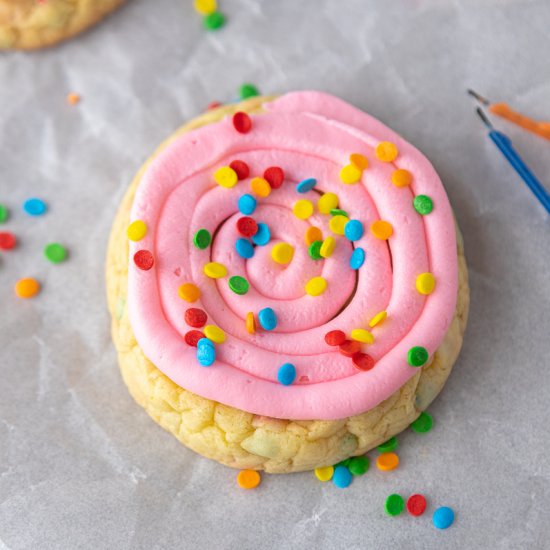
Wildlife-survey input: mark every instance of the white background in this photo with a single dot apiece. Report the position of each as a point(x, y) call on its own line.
point(82, 466)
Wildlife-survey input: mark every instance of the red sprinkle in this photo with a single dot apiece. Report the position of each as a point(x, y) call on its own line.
point(144, 259)
point(7, 240)
point(416, 505)
point(247, 226)
point(192, 337)
point(195, 317)
point(362, 361)
point(335, 337)
point(275, 176)
point(213, 105)
point(349, 348)
point(241, 168)
point(242, 122)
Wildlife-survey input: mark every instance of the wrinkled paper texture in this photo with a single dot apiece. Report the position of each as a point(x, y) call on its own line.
point(81, 465)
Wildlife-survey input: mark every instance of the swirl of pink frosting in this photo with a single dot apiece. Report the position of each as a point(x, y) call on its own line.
point(308, 134)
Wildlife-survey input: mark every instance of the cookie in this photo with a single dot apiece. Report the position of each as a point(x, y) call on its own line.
point(32, 24)
point(402, 310)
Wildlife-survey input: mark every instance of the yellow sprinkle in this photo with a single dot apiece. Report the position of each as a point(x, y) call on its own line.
point(378, 318)
point(327, 202)
point(327, 248)
point(401, 178)
point(313, 234)
point(214, 333)
point(350, 174)
point(337, 224)
point(362, 335)
point(324, 474)
point(316, 286)
point(250, 323)
point(205, 7)
point(382, 230)
point(260, 186)
point(358, 160)
point(303, 209)
point(425, 283)
point(386, 151)
point(189, 292)
point(214, 270)
point(282, 253)
point(226, 177)
point(136, 230)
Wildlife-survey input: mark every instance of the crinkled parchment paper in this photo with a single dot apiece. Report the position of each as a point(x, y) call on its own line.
point(82, 466)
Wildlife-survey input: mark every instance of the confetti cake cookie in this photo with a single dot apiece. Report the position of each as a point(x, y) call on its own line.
point(31, 24)
point(286, 283)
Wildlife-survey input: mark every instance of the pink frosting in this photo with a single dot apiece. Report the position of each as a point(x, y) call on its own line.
point(308, 134)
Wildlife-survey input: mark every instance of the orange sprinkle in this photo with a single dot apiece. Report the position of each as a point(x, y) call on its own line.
point(387, 462)
point(189, 292)
point(358, 160)
point(260, 187)
point(313, 234)
point(401, 178)
point(386, 151)
point(73, 99)
point(248, 479)
point(250, 323)
point(382, 230)
point(27, 288)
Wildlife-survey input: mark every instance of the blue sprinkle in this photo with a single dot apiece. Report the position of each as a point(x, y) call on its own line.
point(443, 517)
point(357, 258)
point(286, 374)
point(342, 477)
point(206, 352)
point(34, 207)
point(263, 235)
point(244, 248)
point(267, 318)
point(306, 185)
point(353, 230)
point(247, 204)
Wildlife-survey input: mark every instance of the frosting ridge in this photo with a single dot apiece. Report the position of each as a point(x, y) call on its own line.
point(308, 134)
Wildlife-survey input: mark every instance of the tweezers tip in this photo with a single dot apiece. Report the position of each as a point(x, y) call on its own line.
point(484, 118)
point(479, 97)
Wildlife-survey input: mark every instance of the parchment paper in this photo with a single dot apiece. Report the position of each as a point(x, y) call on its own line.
point(81, 465)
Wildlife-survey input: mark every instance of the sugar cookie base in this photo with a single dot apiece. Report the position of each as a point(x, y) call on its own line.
point(243, 440)
point(29, 24)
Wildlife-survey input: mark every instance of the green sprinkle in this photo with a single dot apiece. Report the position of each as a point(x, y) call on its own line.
point(338, 212)
point(4, 213)
point(423, 423)
point(55, 252)
point(423, 204)
point(238, 284)
point(394, 505)
point(343, 463)
point(314, 250)
point(388, 446)
point(213, 21)
point(202, 239)
point(248, 90)
point(358, 465)
point(417, 356)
